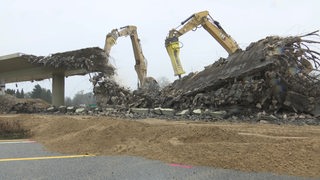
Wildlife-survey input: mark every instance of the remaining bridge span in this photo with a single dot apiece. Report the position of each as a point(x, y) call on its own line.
point(20, 67)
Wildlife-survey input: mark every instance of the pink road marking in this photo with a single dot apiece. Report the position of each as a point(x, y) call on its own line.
point(181, 166)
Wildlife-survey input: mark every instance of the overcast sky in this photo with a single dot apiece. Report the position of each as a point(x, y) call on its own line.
point(41, 27)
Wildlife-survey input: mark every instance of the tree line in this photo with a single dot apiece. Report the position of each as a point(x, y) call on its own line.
point(79, 98)
point(37, 93)
point(45, 94)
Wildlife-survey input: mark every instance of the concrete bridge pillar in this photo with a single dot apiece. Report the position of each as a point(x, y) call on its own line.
point(2, 87)
point(58, 89)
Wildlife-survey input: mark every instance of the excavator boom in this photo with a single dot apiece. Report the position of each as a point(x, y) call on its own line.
point(140, 61)
point(209, 24)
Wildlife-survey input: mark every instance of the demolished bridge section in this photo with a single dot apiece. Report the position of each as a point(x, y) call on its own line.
point(22, 67)
point(88, 60)
point(271, 75)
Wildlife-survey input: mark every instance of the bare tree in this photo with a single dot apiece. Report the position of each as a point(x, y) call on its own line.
point(163, 82)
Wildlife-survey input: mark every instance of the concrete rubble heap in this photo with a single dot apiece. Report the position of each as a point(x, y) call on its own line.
point(91, 59)
point(270, 75)
point(110, 94)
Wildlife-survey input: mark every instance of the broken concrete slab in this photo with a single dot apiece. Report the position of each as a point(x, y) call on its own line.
point(91, 59)
point(216, 114)
point(51, 109)
point(157, 111)
point(110, 109)
point(168, 111)
point(71, 109)
point(140, 110)
point(197, 111)
point(164, 111)
point(183, 112)
point(302, 103)
point(62, 109)
point(80, 110)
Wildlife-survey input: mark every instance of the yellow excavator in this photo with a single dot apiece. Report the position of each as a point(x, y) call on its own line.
point(192, 23)
point(140, 61)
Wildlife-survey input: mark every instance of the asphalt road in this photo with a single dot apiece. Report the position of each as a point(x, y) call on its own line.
point(29, 160)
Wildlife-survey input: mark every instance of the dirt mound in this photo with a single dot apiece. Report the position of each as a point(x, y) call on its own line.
point(12, 104)
point(7, 102)
point(292, 150)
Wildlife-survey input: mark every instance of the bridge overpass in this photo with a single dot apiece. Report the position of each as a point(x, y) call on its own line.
point(20, 67)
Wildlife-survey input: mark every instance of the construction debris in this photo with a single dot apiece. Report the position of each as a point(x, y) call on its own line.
point(110, 94)
point(271, 75)
point(274, 79)
point(91, 59)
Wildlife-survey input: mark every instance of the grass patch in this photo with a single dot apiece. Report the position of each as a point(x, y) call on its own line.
point(12, 129)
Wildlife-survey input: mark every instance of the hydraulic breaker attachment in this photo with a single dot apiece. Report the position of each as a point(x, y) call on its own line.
point(173, 49)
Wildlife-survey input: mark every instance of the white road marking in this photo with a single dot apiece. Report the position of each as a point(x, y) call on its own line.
point(16, 141)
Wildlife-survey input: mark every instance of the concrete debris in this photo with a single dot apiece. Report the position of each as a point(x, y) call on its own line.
point(157, 111)
point(271, 80)
point(109, 93)
point(167, 111)
point(216, 114)
point(140, 110)
point(51, 109)
point(164, 111)
point(71, 109)
point(80, 111)
point(111, 110)
point(184, 112)
point(271, 75)
point(63, 109)
point(90, 59)
point(197, 111)
point(207, 115)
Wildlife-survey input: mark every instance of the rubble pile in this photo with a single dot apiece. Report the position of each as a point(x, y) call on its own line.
point(109, 93)
point(91, 59)
point(270, 75)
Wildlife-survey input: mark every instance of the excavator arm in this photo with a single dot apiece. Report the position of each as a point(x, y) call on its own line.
point(140, 61)
point(193, 22)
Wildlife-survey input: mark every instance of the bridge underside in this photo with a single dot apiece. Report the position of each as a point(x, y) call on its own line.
point(19, 67)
